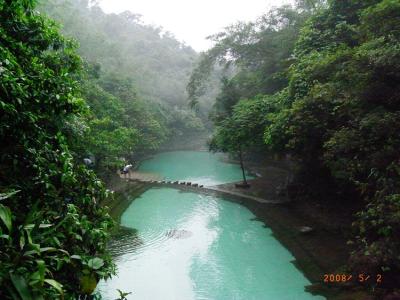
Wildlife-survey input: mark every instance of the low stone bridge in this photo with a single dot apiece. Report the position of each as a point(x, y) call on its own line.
point(194, 187)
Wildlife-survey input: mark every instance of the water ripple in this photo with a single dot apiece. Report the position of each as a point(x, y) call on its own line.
point(197, 247)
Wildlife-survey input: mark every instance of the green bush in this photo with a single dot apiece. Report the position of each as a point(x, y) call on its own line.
point(53, 230)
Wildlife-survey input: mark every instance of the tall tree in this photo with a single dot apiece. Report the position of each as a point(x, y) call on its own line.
point(53, 230)
point(342, 115)
point(243, 130)
point(256, 56)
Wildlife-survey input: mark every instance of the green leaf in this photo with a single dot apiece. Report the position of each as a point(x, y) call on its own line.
point(45, 225)
point(35, 247)
point(29, 226)
point(8, 195)
point(5, 236)
point(41, 268)
point(58, 286)
point(95, 263)
point(21, 286)
point(88, 283)
point(5, 216)
point(30, 252)
point(48, 249)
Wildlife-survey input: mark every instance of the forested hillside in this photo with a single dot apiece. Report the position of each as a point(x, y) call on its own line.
point(134, 84)
point(155, 60)
point(320, 82)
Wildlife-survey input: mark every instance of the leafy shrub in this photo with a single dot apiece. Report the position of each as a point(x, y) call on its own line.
point(53, 230)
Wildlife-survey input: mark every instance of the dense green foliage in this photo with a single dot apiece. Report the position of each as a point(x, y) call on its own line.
point(243, 130)
point(256, 57)
point(130, 52)
point(157, 62)
point(52, 229)
point(134, 85)
point(257, 53)
point(343, 115)
point(332, 90)
point(121, 126)
point(122, 102)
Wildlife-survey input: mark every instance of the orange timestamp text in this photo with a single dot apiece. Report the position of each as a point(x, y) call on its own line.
point(362, 278)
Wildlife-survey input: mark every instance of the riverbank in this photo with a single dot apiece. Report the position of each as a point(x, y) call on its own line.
point(124, 193)
point(322, 250)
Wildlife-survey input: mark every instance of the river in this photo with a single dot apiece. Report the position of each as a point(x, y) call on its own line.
point(191, 246)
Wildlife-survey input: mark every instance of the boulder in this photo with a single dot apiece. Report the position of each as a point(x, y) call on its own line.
point(178, 234)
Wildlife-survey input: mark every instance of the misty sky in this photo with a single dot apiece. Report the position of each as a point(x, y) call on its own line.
point(192, 20)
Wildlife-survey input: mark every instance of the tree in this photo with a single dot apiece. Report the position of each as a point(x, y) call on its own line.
point(342, 115)
point(255, 55)
point(53, 229)
point(141, 69)
point(333, 105)
point(244, 129)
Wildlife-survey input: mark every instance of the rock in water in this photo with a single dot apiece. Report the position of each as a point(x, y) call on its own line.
point(178, 234)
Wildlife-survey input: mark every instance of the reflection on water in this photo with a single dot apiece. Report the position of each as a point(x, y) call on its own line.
point(124, 241)
point(190, 246)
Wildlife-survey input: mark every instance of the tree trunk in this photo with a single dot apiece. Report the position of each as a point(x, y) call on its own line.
point(242, 166)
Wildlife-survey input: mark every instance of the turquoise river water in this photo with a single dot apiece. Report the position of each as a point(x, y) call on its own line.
point(200, 167)
point(191, 246)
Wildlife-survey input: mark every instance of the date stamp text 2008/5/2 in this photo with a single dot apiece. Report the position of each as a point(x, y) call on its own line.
point(362, 278)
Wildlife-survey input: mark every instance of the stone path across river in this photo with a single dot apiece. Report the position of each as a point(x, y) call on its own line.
point(196, 187)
